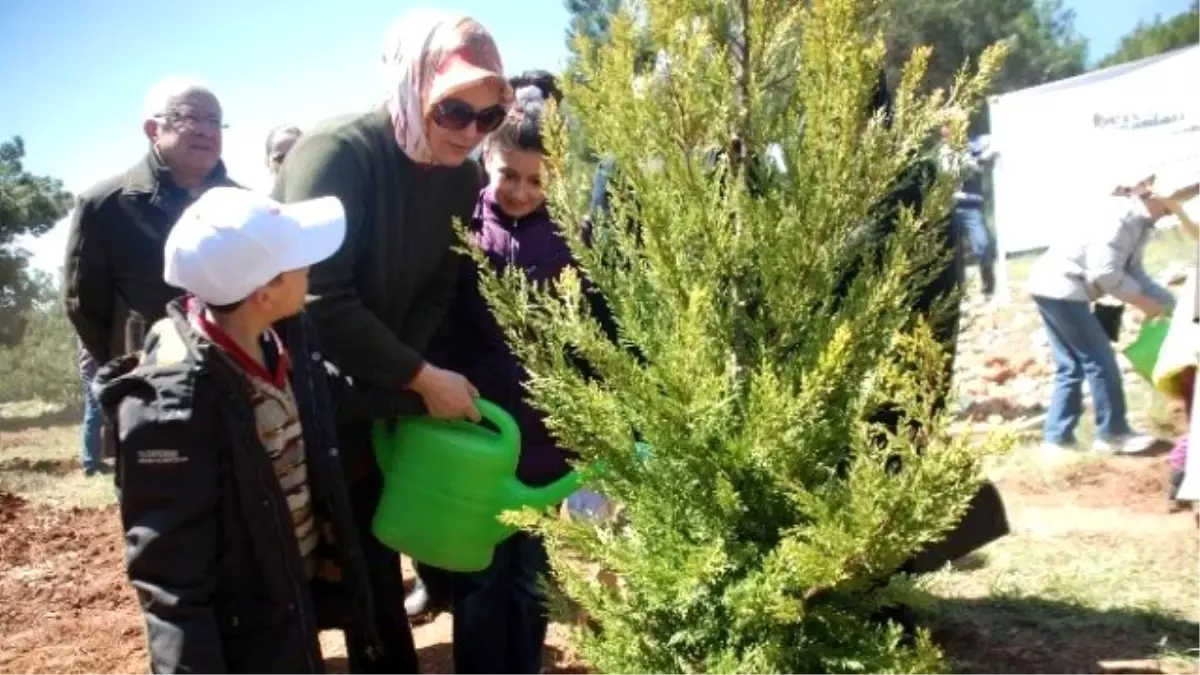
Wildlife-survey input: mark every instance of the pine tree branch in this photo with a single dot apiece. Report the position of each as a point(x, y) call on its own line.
point(739, 145)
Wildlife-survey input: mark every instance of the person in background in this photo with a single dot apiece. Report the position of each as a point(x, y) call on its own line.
point(968, 213)
point(91, 455)
point(543, 80)
point(1104, 258)
point(1177, 458)
point(238, 533)
point(113, 284)
point(499, 620)
point(279, 143)
point(402, 172)
point(1178, 359)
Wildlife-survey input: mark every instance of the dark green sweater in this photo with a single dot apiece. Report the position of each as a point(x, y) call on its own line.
point(380, 299)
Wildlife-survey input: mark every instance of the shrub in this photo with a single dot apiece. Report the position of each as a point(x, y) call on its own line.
point(761, 334)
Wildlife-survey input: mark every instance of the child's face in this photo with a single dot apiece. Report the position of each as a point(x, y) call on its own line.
point(517, 180)
point(284, 296)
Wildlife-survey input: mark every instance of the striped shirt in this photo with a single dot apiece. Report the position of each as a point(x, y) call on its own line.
point(277, 419)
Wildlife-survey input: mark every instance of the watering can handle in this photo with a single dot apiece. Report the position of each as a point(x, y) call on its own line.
point(503, 422)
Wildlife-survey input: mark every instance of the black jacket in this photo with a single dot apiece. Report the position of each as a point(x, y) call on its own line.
point(113, 285)
point(210, 546)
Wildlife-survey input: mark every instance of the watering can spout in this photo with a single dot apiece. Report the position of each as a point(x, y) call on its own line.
point(521, 495)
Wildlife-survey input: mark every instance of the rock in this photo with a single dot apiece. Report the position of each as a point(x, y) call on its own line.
point(1001, 375)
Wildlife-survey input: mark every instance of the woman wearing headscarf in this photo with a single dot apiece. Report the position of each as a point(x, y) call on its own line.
point(402, 174)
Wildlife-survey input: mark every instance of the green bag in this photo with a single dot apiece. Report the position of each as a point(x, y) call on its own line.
point(1143, 352)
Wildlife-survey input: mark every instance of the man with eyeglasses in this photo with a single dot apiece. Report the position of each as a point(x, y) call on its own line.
point(113, 285)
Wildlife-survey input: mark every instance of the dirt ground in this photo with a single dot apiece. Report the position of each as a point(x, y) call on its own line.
point(65, 605)
point(1097, 575)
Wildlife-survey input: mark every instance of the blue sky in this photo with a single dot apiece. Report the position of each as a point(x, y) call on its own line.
point(74, 72)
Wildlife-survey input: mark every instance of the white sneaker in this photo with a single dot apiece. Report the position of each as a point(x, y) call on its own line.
point(1050, 449)
point(1127, 444)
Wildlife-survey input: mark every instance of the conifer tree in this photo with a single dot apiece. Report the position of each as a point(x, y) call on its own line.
point(762, 325)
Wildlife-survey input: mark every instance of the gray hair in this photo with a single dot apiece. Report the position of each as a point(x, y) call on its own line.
point(282, 130)
point(163, 95)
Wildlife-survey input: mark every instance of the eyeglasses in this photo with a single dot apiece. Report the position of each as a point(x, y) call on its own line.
point(455, 115)
point(191, 121)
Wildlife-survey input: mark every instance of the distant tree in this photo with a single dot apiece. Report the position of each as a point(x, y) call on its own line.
point(592, 19)
point(1045, 46)
point(30, 205)
point(1157, 37)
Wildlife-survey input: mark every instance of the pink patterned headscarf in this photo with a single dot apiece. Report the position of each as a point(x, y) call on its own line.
point(428, 55)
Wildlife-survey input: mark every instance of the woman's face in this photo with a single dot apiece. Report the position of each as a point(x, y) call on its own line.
point(451, 143)
point(517, 180)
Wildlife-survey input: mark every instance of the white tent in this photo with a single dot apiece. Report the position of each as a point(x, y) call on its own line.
point(1062, 146)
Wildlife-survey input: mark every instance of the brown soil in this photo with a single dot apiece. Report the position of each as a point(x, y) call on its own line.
point(66, 605)
point(1137, 484)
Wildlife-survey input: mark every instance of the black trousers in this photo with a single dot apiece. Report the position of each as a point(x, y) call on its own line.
point(500, 619)
point(399, 653)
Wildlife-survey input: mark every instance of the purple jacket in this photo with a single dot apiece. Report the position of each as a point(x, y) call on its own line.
point(476, 345)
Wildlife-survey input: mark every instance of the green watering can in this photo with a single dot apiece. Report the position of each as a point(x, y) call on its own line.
point(445, 483)
point(1143, 352)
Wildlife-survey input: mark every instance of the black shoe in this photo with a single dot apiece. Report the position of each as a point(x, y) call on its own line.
point(902, 616)
point(100, 469)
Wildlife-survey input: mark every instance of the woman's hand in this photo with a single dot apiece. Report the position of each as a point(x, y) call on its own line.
point(447, 395)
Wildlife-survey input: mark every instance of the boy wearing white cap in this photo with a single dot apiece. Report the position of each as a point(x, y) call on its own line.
point(239, 538)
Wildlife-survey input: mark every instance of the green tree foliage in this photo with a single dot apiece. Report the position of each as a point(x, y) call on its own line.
point(44, 366)
point(1157, 37)
point(30, 205)
point(590, 21)
point(1044, 46)
point(761, 528)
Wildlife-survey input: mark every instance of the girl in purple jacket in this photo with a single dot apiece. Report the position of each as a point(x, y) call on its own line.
point(499, 617)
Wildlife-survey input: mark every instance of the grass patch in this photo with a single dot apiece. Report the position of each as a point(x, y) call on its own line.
point(1095, 577)
point(39, 460)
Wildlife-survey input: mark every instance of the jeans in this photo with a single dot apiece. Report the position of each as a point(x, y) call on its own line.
point(1081, 351)
point(90, 450)
point(387, 587)
point(970, 221)
point(500, 620)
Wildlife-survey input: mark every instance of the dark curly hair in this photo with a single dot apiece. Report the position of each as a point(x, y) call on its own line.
point(544, 80)
point(522, 129)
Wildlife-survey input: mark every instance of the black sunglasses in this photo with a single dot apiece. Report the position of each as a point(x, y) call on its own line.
point(456, 115)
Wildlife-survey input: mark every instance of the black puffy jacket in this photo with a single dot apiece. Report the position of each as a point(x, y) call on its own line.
point(210, 545)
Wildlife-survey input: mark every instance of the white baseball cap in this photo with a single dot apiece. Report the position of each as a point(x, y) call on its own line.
point(231, 242)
